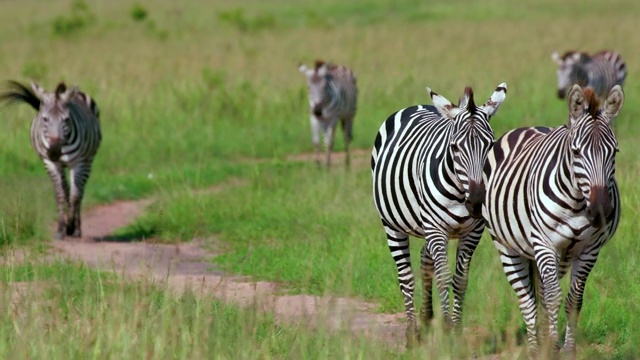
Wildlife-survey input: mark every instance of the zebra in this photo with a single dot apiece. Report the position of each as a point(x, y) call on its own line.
point(65, 133)
point(426, 166)
point(551, 203)
point(600, 71)
point(332, 96)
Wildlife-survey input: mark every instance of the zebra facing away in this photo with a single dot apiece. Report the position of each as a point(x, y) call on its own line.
point(332, 98)
point(427, 166)
point(552, 203)
point(600, 71)
point(65, 133)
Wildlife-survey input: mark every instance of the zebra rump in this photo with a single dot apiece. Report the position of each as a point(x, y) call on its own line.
point(600, 71)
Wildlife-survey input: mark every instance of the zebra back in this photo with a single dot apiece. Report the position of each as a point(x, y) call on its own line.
point(600, 71)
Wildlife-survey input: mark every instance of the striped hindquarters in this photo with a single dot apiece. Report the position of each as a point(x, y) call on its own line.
point(605, 70)
point(341, 92)
point(402, 142)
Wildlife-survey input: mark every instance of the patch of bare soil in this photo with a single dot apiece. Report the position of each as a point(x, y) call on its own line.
point(187, 266)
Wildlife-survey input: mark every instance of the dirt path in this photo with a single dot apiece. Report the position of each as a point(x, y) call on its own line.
point(188, 265)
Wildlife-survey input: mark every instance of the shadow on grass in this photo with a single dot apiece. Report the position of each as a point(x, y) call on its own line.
point(130, 235)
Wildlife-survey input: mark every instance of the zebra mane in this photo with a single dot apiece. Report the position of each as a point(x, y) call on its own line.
point(330, 66)
point(471, 105)
point(570, 53)
point(591, 99)
point(17, 92)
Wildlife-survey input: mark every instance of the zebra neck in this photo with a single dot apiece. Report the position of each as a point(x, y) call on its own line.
point(444, 170)
point(565, 175)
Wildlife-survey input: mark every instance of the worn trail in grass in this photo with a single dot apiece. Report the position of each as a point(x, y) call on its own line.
point(187, 266)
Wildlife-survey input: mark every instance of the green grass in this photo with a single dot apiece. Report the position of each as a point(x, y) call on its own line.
point(65, 310)
point(203, 93)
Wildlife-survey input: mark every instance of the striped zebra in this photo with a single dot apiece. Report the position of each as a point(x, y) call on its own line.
point(65, 133)
point(426, 166)
point(332, 97)
point(601, 71)
point(552, 203)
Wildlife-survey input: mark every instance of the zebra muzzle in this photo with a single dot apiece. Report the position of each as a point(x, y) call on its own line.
point(55, 150)
point(561, 93)
point(600, 208)
point(473, 203)
point(317, 110)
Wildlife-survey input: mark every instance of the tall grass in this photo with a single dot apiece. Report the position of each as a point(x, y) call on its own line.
point(196, 92)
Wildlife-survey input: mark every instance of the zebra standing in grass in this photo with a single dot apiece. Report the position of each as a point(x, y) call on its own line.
point(65, 133)
point(552, 203)
point(601, 71)
point(332, 97)
point(427, 166)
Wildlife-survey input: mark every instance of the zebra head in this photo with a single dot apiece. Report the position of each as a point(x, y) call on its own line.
point(52, 122)
point(470, 141)
point(593, 148)
point(317, 83)
point(568, 73)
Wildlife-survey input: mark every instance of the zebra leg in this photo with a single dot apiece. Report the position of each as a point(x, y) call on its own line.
point(437, 247)
point(581, 268)
point(61, 189)
point(518, 272)
point(466, 247)
point(315, 137)
point(329, 134)
point(399, 247)
point(426, 269)
point(547, 261)
point(347, 128)
point(79, 176)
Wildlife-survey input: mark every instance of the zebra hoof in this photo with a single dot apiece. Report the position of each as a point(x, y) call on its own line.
point(73, 231)
point(413, 337)
point(59, 236)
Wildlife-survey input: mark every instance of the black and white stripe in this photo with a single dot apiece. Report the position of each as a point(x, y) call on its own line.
point(332, 98)
point(601, 71)
point(65, 133)
point(427, 182)
point(552, 203)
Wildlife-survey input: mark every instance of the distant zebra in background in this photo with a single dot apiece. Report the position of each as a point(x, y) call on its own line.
point(601, 71)
point(427, 166)
point(65, 133)
point(332, 97)
point(552, 202)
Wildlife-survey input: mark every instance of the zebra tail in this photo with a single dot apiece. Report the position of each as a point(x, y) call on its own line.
point(17, 92)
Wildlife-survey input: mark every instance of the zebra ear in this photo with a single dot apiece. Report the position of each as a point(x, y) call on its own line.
point(40, 92)
point(577, 103)
point(613, 104)
point(444, 106)
point(305, 70)
point(496, 99)
point(69, 94)
point(556, 58)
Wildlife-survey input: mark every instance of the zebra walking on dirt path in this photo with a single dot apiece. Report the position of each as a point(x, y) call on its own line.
point(65, 133)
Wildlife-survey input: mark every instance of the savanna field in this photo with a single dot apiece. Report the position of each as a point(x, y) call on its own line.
point(196, 94)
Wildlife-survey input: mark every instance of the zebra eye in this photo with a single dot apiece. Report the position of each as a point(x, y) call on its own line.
point(575, 151)
point(45, 119)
